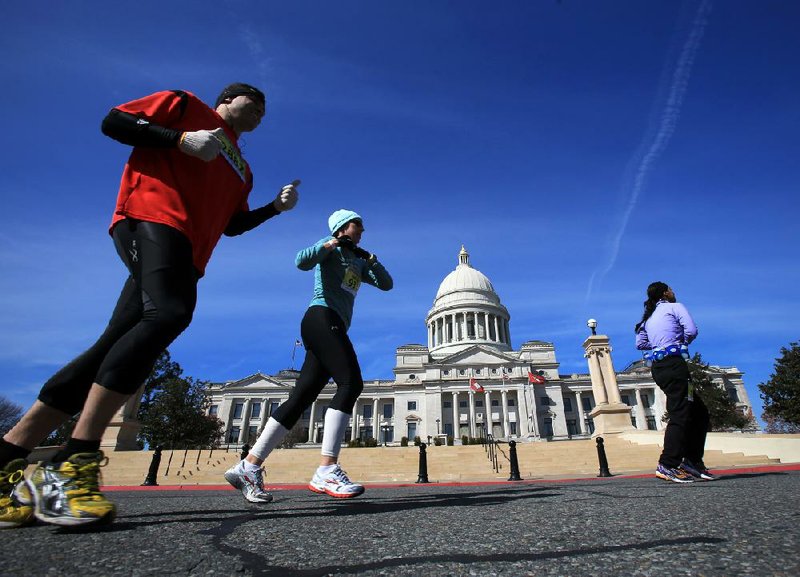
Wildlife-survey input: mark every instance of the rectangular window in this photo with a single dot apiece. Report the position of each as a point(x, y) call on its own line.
point(512, 403)
point(733, 396)
point(590, 426)
point(495, 403)
point(478, 403)
point(213, 410)
point(567, 405)
point(572, 427)
point(448, 429)
point(513, 428)
point(646, 401)
point(367, 411)
point(633, 421)
point(447, 404)
point(626, 399)
point(412, 405)
point(587, 404)
point(547, 430)
point(273, 406)
point(252, 435)
point(237, 410)
point(462, 404)
point(412, 430)
point(544, 401)
point(387, 410)
point(651, 423)
point(255, 410)
point(233, 435)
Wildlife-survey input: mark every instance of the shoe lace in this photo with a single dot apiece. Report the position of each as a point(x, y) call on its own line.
point(342, 476)
point(259, 477)
point(87, 475)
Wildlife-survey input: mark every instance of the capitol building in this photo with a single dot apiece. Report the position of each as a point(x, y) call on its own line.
point(467, 380)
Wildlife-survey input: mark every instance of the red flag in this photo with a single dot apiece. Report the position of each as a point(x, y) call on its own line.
point(536, 379)
point(473, 384)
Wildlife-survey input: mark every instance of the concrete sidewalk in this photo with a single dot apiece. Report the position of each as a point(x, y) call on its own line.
point(746, 523)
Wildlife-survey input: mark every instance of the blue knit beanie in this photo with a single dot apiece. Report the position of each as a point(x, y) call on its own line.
point(340, 218)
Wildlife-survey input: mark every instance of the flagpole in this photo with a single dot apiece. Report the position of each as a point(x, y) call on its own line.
point(294, 348)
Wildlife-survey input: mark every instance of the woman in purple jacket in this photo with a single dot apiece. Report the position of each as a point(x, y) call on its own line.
point(665, 332)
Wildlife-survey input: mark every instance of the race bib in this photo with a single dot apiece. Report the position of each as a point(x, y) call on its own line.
point(229, 153)
point(351, 281)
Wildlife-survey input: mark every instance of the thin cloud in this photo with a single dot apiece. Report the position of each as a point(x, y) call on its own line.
point(655, 142)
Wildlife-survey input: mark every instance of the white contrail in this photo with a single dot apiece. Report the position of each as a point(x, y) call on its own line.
point(652, 146)
point(254, 46)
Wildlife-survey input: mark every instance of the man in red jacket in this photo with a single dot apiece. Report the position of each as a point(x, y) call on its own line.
point(184, 186)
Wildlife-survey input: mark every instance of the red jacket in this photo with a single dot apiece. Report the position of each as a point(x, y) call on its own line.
point(165, 185)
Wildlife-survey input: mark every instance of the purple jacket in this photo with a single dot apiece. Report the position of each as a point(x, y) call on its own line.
point(670, 324)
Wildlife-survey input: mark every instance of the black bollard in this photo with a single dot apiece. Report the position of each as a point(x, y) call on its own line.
point(152, 472)
point(245, 451)
point(601, 456)
point(423, 464)
point(512, 456)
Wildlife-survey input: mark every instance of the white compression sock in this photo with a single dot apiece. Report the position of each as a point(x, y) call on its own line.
point(269, 438)
point(335, 426)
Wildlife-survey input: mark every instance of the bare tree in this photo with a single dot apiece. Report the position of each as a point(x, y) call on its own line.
point(10, 413)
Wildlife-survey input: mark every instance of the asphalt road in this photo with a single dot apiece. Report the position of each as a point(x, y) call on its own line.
point(742, 524)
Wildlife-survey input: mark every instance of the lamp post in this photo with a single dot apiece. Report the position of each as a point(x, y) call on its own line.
point(592, 324)
point(385, 429)
point(437, 427)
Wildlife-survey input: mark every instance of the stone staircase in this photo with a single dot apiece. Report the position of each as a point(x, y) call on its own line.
point(563, 459)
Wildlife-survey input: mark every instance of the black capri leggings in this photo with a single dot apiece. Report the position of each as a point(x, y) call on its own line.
point(329, 353)
point(155, 306)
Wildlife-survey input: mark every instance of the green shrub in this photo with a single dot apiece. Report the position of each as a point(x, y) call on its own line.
point(404, 442)
point(449, 441)
point(464, 440)
point(371, 442)
point(437, 442)
point(417, 441)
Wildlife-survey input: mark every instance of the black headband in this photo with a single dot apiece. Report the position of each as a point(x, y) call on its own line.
point(240, 89)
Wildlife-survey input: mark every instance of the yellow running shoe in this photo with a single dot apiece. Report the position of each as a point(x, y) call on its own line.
point(13, 511)
point(69, 494)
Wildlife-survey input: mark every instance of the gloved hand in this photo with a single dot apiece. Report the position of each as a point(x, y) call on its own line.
point(202, 144)
point(287, 197)
point(346, 242)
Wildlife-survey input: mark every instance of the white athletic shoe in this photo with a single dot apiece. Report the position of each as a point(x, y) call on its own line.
point(335, 483)
point(251, 484)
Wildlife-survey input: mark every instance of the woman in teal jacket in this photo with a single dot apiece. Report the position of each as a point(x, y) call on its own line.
point(340, 267)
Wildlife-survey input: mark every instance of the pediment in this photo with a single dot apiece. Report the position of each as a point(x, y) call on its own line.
point(413, 417)
point(255, 381)
point(478, 354)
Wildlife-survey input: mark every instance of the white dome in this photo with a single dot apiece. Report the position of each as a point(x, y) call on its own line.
point(465, 284)
point(466, 311)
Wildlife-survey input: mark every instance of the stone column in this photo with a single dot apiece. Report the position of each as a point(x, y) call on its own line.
point(488, 422)
point(375, 419)
point(496, 329)
point(354, 428)
point(641, 418)
point(245, 420)
point(504, 402)
point(471, 414)
point(659, 406)
point(312, 422)
point(456, 420)
point(581, 414)
point(610, 415)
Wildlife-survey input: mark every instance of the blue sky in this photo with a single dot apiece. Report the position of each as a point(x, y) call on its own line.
point(578, 149)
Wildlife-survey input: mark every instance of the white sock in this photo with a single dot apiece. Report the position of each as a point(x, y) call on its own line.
point(335, 427)
point(269, 438)
point(322, 469)
point(249, 467)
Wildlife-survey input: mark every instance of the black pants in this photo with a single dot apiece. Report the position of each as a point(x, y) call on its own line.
point(329, 353)
point(685, 436)
point(155, 306)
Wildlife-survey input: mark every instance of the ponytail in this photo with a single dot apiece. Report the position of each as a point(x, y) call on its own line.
point(655, 293)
